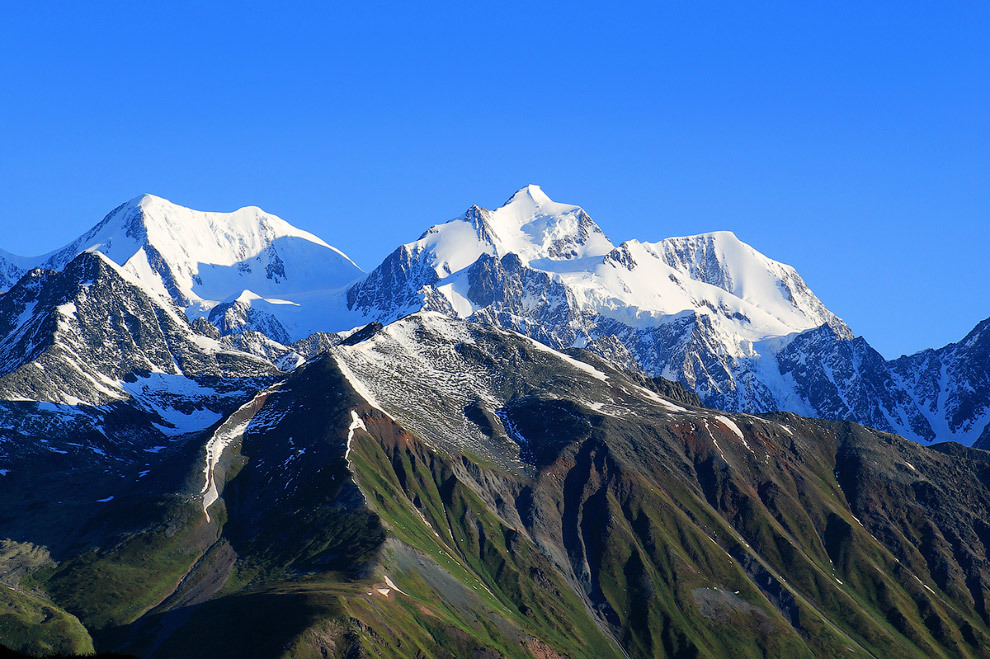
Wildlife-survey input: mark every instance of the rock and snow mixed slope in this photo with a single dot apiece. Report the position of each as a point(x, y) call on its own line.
point(430, 372)
point(951, 386)
point(12, 268)
point(89, 360)
point(76, 336)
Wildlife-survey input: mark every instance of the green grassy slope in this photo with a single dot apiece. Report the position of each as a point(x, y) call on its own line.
point(32, 625)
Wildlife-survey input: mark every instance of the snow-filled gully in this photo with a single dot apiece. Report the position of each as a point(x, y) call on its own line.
point(356, 423)
point(231, 429)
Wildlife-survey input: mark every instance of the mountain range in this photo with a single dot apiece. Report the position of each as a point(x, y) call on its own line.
point(510, 438)
point(741, 330)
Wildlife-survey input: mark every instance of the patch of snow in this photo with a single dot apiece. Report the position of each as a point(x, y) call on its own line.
point(68, 309)
point(731, 425)
point(230, 430)
point(510, 428)
point(356, 423)
point(456, 293)
point(663, 402)
point(576, 363)
point(720, 451)
point(214, 449)
point(162, 392)
point(393, 586)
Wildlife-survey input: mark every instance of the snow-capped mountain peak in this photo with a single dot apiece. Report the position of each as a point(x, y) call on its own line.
point(534, 227)
point(638, 284)
point(528, 203)
point(221, 238)
point(429, 273)
point(532, 194)
point(198, 260)
point(529, 225)
point(722, 260)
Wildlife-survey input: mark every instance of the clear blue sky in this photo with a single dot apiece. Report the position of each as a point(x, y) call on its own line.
point(847, 139)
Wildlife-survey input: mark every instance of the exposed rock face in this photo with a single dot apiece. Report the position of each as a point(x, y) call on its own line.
point(94, 369)
point(85, 329)
point(952, 385)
